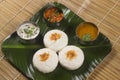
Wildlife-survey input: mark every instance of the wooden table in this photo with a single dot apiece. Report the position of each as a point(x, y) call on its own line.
point(104, 13)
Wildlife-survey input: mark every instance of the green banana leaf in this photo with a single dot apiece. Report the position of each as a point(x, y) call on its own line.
point(20, 52)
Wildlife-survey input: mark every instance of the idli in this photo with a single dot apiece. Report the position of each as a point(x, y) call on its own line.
point(71, 57)
point(55, 39)
point(45, 60)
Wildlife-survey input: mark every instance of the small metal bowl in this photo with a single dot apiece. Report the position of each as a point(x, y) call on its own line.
point(53, 16)
point(28, 30)
point(87, 32)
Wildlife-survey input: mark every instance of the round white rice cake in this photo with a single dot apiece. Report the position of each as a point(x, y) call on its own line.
point(55, 39)
point(45, 60)
point(71, 57)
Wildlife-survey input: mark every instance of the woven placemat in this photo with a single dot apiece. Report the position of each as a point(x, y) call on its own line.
point(104, 13)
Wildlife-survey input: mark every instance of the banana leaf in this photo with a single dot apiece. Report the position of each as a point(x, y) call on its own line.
point(20, 52)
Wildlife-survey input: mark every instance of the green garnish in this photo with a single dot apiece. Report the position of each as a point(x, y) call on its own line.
point(28, 31)
point(49, 19)
point(86, 37)
point(57, 13)
point(32, 28)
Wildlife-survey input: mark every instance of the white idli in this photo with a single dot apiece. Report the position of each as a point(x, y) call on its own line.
point(45, 60)
point(71, 57)
point(55, 39)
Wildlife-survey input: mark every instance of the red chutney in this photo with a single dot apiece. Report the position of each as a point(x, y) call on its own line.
point(53, 14)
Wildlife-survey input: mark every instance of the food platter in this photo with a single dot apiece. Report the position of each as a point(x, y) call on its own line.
point(20, 52)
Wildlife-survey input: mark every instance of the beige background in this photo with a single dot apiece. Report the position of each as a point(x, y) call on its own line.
point(104, 13)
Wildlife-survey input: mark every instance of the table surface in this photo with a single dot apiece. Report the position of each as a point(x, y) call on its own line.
point(104, 13)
